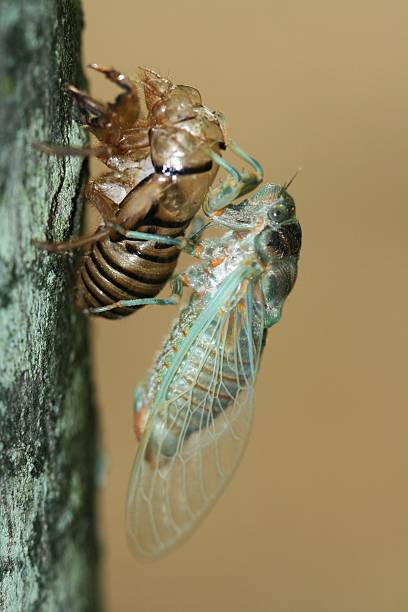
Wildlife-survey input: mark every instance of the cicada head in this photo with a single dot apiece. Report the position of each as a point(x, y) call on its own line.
point(281, 236)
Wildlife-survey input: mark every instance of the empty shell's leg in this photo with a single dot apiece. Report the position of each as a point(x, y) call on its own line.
point(115, 76)
point(62, 151)
point(87, 103)
point(71, 245)
point(177, 285)
point(116, 124)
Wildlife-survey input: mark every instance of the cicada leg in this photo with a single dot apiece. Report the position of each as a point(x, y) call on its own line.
point(191, 242)
point(238, 183)
point(197, 226)
point(187, 244)
point(135, 235)
point(250, 180)
point(177, 284)
point(133, 303)
point(227, 191)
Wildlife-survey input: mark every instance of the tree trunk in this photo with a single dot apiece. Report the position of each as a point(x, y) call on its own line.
point(48, 552)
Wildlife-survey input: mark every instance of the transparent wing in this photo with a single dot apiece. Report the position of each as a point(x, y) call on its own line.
point(210, 420)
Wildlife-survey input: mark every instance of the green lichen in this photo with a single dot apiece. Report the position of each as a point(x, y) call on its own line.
point(6, 86)
point(48, 552)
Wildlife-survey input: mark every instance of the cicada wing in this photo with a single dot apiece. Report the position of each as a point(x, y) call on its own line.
point(168, 496)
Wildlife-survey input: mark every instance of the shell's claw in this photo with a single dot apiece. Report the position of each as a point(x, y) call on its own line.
point(114, 75)
point(62, 151)
point(86, 102)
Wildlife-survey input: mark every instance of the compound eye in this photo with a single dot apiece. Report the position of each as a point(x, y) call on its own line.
point(280, 212)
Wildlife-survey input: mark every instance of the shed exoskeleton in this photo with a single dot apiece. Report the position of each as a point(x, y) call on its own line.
point(159, 143)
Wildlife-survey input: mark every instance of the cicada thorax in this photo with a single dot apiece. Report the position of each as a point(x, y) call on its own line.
point(154, 139)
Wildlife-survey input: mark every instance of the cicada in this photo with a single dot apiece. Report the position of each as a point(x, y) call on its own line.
point(193, 415)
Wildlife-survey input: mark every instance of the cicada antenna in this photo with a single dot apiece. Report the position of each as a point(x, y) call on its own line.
point(290, 181)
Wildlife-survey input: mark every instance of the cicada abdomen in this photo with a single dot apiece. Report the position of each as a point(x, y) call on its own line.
point(155, 139)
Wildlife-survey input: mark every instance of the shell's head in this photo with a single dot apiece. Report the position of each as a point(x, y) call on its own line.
point(181, 132)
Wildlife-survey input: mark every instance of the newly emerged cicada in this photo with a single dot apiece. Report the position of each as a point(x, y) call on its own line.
point(159, 143)
point(193, 415)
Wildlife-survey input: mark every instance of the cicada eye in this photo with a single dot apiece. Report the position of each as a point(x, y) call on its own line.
point(280, 212)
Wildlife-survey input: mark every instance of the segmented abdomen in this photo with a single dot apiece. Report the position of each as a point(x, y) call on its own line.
point(127, 269)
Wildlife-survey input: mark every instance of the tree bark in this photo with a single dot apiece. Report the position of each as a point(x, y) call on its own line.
point(48, 551)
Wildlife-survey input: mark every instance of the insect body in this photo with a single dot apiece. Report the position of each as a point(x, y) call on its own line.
point(194, 414)
point(157, 139)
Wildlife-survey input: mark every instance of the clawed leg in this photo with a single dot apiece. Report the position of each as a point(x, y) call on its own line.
point(71, 245)
point(187, 244)
point(115, 76)
point(135, 235)
point(227, 191)
point(236, 185)
point(197, 227)
point(192, 241)
point(250, 180)
point(112, 121)
point(62, 151)
point(132, 304)
point(87, 103)
point(176, 284)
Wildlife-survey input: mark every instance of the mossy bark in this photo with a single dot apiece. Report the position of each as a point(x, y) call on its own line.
point(48, 552)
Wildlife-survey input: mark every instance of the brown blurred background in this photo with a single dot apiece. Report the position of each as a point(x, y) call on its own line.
point(316, 518)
